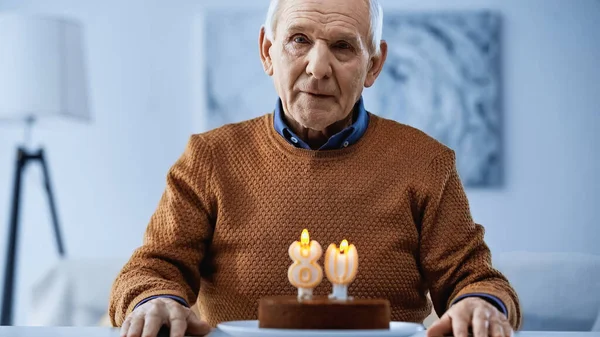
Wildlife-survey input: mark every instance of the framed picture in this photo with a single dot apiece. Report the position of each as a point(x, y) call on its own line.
point(442, 76)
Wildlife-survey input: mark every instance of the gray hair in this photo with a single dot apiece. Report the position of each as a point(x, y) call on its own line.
point(375, 30)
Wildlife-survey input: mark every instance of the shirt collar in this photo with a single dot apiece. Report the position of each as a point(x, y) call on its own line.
point(344, 138)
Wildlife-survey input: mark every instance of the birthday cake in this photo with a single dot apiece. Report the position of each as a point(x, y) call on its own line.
point(323, 313)
point(338, 310)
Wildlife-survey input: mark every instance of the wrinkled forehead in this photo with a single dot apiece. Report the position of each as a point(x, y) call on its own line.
point(335, 17)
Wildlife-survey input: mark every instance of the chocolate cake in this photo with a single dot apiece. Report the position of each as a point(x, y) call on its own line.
point(288, 312)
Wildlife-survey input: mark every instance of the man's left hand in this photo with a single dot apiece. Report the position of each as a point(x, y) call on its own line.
point(481, 317)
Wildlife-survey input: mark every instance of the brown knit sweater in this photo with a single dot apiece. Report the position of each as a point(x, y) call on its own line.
point(240, 195)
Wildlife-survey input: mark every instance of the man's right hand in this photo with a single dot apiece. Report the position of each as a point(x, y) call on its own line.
point(147, 319)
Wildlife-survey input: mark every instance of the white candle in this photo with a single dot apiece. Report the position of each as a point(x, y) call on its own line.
point(305, 274)
point(341, 266)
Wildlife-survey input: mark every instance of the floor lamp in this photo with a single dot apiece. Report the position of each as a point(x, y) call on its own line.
point(41, 74)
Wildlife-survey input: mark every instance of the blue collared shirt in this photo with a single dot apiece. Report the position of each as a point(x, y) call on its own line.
point(344, 138)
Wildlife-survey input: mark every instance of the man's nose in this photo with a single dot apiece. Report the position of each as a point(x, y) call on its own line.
point(319, 62)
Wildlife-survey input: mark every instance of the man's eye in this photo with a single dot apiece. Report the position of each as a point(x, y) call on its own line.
point(343, 45)
point(300, 39)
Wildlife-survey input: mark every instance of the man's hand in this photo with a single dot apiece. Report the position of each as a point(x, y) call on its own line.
point(147, 319)
point(475, 313)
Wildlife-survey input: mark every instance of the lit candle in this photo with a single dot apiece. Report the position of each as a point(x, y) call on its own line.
point(305, 274)
point(341, 266)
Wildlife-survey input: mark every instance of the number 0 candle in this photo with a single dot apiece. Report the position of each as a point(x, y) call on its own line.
point(341, 266)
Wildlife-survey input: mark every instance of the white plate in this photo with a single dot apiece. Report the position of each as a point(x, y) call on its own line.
point(251, 329)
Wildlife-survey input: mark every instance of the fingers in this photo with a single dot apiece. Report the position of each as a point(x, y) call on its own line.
point(154, 317)
point(460, 323)
point(178, 326)
point(483, 318)
point(177, 319)
point(147, 319)
point(196, 327)
point(481, 322)
point(153, 322)
point(441, 327)
point(125, 326)
point(496, 329)
point(183, 321)
point(508, 331)
point(500, 327)
point(136, 326)
point(453, 322)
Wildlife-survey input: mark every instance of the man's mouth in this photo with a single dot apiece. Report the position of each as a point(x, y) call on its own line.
point(318, 95)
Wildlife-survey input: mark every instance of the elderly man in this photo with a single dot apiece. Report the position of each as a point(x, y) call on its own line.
point(241, 193)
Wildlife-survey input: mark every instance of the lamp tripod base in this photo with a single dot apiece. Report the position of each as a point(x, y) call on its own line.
point(23, 158)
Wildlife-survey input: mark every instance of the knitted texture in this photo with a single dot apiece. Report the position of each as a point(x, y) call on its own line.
point(240, 195)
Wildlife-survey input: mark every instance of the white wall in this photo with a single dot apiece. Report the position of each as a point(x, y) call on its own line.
point(108, 175)
point(146, 96)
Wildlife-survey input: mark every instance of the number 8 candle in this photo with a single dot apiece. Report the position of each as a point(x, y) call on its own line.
point(305, 274)
point(341, 266)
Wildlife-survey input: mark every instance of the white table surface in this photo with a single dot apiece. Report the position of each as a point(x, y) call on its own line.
point(108, 332)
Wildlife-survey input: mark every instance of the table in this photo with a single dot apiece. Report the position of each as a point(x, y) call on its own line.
point(108, 332)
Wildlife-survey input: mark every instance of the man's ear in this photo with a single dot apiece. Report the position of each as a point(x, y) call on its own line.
point(376, 64)
point(264, 45)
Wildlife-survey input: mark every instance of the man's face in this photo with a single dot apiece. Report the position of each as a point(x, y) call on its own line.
point(320, 58)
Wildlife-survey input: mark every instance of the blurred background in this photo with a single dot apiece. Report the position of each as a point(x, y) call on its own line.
point(144, 75)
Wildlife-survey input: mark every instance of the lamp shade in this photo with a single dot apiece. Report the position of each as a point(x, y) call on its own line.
point(42, 68)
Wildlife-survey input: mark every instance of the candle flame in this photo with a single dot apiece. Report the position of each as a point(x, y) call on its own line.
point(304, 238)
point(344, 246)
